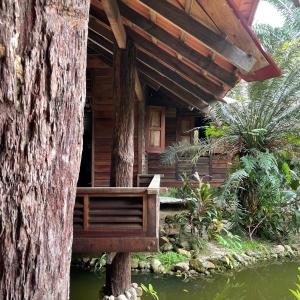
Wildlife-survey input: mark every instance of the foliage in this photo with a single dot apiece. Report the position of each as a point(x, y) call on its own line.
point(235, 242)
point(257, 131)
point(150, 291)
point(171, 192)
point(255, 192)
point(296, 293)
point(100, 263)
point(203, 213)
point(169, 259)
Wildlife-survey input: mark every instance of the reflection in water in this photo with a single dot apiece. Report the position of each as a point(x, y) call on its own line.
point(267, 282)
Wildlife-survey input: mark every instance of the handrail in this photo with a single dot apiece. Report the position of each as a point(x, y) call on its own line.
point(123, 219)
point(110, 190)
point(154, 185)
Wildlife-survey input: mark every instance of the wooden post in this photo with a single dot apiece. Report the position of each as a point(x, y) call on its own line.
point(122, 159)
point(142, 166)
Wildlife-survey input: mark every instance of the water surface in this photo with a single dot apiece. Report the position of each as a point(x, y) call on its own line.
point(264, 282)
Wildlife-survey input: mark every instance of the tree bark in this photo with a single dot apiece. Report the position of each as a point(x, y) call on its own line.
point(122, 159)
point(123, 136)
point(42, 78)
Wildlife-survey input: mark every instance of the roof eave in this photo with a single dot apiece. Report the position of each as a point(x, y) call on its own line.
point(270, 71)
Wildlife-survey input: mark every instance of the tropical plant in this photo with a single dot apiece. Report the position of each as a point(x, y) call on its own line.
point(296, 292)
point(258, 131)
point(150, 291)
point(203, 215)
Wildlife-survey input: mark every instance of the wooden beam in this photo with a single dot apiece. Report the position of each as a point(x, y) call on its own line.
point(169, 40)
point(163, 55)
point(173, 88)
point(138, 88)
point(185, 95)
point(113, 14)
point(194, 91)
point(173, 62)
point(114, 17)
point(175, 77)
point(214, 41)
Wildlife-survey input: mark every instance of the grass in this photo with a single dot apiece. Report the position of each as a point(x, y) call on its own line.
point(236, 243)
point(168, 259)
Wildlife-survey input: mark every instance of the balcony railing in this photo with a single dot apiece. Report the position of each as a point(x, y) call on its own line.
point(117, 219)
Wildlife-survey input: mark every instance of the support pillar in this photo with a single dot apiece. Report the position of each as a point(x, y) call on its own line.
point(122, 158)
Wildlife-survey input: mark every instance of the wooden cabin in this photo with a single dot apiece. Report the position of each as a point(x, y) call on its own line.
point(188, 55)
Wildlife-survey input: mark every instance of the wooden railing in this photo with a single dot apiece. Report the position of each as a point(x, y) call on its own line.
point(117, 219)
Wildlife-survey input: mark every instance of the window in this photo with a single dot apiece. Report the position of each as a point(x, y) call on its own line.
point(184, 126)
point(155, 131)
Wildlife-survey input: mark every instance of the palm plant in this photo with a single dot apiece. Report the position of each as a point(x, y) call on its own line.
point(256, 131)
point(267, 117)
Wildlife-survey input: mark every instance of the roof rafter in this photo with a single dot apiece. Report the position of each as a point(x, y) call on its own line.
point(105, 49)
point(113, 14)
point(155, 63)
point(205, 63)
point(214, 41)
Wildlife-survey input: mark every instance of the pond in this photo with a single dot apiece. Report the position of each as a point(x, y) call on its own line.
point(265, 282)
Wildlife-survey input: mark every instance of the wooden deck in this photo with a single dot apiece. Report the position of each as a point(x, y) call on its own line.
point(117, 219)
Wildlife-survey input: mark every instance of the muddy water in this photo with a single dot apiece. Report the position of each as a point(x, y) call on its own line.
point(265, 282)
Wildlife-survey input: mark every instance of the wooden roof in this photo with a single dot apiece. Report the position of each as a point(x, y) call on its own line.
point(193, 49)
point(247, 9)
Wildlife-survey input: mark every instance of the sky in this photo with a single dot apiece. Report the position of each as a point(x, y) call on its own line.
point(266, 13)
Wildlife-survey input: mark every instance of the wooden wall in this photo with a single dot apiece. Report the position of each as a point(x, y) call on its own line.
point(213, 168)
point(154, 164)
point(103, 122)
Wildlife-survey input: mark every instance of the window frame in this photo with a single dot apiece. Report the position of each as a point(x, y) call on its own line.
point(161, 128)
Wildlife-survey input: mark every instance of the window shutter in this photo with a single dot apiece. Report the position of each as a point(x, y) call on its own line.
point(155, 133)
point(184, 125)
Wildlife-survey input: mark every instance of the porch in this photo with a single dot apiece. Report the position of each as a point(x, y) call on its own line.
point(122, 219)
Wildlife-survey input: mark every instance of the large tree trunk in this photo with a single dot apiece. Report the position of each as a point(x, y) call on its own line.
point(42, 94)
point(119, 272)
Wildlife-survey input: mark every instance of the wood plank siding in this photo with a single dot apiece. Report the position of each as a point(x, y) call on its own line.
point(212, 168)
point(103, 111)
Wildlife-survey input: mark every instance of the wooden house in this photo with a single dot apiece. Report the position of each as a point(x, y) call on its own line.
point(188, 55)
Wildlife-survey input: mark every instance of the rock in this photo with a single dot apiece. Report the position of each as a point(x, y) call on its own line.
point(239, 258)
point(85, 260)
point(93, 262)
point(139, 291)
point(289, 250)
point(208, 265)
point(295, 247)
point(133, 293)
point(250, 253)
point(166, 247)
point(144, 265)
point(128, 295)
point(134, 263)
point(155, 265)
point(184, 252)
point(193, 273)
point(182, 267)
point(196, 265)
point(134, 285)
point(121, 297)
point(279, 249)
point(185, 245)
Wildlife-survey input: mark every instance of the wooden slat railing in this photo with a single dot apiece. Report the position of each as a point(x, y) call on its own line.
point(117, 219)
